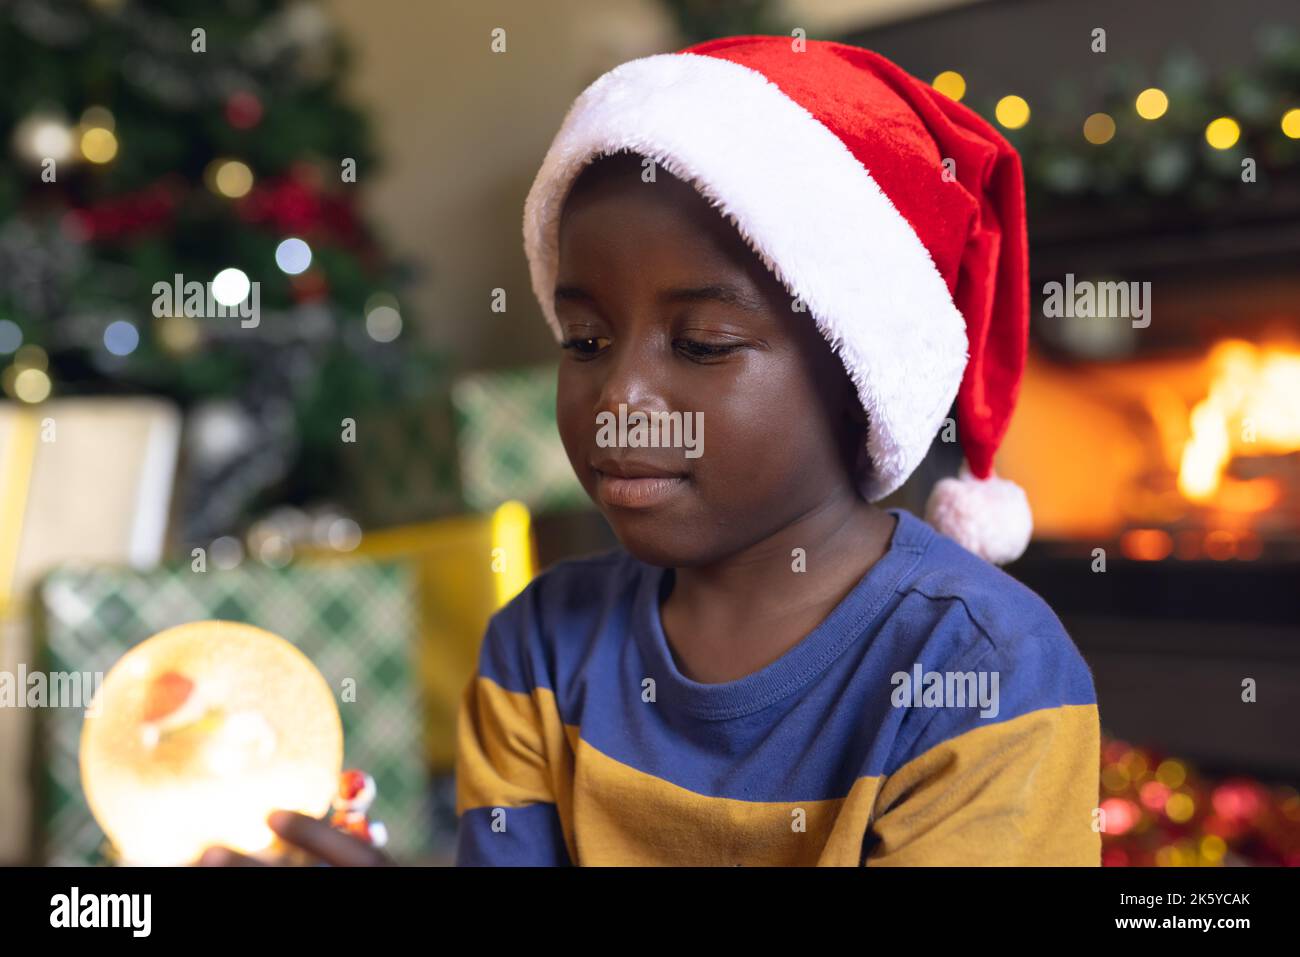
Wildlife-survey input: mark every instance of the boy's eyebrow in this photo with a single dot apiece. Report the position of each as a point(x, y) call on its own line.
point(572, 294)
point(712, 292)
point(715, 292)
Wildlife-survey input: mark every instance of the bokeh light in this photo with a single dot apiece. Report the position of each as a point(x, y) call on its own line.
point(230, 287)
point(951, 84)
point(1152, 103)
point(1099, 128)
point(1223, 133)
point(1012, 112)
point(230, 178)
point(1291, 123)
point(98, 144)
point(121, 338)
point(31, 356)
point(31, 385)
point(293, 256)
point(1180, 807)
point(11, 336)
point(383, 323)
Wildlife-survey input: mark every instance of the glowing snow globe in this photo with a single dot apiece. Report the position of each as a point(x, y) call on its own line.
point(198, 733)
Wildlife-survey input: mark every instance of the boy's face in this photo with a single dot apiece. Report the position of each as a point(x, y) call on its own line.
point(664, 309)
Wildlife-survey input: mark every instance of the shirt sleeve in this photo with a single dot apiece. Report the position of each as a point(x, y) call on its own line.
point(506, 739)
point(1018, 790)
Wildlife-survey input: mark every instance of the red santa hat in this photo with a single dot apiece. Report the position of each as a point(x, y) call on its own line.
point(894, 213)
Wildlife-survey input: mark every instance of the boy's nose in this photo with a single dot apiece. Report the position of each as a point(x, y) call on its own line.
point(635, 379)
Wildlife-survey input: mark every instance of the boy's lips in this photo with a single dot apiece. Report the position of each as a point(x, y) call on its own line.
point(626, 484)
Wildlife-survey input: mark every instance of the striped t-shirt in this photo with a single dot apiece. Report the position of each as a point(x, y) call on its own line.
point(939, 715)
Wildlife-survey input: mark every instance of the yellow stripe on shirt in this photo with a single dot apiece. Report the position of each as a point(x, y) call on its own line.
point(1020, 792)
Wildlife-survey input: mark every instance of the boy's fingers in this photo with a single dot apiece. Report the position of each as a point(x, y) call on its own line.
point(225, 857)
point(329, 844)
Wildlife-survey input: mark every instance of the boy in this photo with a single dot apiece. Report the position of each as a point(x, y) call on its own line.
point(798, 247)
point(812, 254)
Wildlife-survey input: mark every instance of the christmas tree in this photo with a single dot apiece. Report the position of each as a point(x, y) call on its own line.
point(156, 149)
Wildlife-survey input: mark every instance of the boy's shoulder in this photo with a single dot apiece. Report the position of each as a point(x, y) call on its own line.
point(577, 588)
point(567, 603)
point(981, 625)
point(996, 603)
point(1007, 624)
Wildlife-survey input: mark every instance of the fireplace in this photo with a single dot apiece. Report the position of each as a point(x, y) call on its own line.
point(1163, 465)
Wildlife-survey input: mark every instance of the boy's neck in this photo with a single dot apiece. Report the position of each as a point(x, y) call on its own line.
point(729, 619)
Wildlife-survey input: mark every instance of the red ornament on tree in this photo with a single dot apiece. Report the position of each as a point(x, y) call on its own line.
point(295, 205)
point(243, 110)
point(132, 214)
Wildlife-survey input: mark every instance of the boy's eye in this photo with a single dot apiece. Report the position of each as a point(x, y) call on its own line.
point(703, 351)
point(586, 346)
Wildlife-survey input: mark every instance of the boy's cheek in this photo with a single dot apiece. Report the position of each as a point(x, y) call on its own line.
point(577, 435)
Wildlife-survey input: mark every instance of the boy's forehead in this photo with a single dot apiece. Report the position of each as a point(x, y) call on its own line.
point(615, 207)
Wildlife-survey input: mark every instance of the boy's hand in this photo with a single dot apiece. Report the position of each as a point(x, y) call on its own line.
point(315, 837)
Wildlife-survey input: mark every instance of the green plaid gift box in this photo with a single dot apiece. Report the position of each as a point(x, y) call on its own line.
point(353, 619)
point(509, 445)
point(402, 467)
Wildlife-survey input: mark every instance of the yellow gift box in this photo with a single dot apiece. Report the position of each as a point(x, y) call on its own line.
point(468, 567)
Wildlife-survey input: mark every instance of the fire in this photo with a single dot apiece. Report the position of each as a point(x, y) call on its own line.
point(1253, 408)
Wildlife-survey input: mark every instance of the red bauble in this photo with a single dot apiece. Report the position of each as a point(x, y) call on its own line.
point(295, 205)
point(144, 211)
point(243, 110)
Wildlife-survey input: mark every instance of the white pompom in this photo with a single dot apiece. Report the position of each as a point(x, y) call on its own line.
point(989, 517)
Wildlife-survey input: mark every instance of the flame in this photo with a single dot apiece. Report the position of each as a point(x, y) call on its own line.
point(1253, 408)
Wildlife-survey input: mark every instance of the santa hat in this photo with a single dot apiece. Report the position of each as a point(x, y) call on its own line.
point(895, 214)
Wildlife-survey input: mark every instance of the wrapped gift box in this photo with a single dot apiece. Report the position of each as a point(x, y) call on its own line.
point(468, 567)
point(508, 442)
point(355, 619)
point(402, 466)
point(80, 479)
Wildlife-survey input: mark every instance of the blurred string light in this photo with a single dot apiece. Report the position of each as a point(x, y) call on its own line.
point(98, 116)
point(1012, 112)
point(31, 385)
point(229, 177)
point(121, 338)
point(1180, 807)
point(1099, 128)
point(230, 287)
point(293, 256)
point(226, 552)
point(43, 136)
point(1291, 123)
point(11, 336)
point(31, 356)
point(178, 334)
point(27, 379)
point(344, 534)
point(951, 84)
point(98, 140)
point(1154, 795)
point(98, 145)
point(1171, 773)
point(1213, 848)
point(383, 320)
point(1223, 133)
point(1151, 103)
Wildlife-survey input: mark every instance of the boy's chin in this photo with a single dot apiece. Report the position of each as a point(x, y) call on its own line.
point(659, 541)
